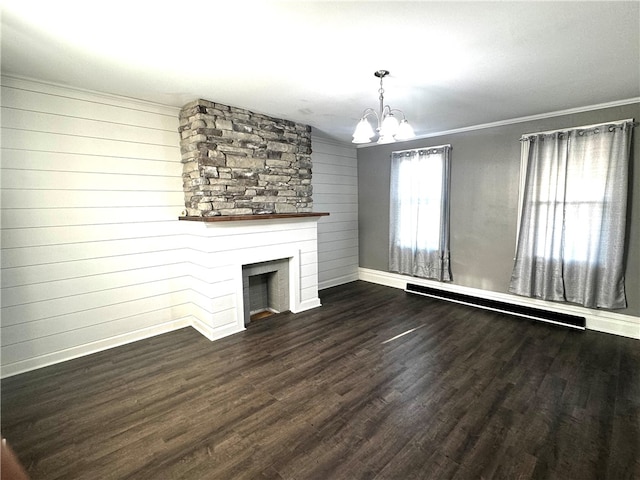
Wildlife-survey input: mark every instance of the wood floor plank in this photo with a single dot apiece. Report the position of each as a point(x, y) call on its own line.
point(376, 384)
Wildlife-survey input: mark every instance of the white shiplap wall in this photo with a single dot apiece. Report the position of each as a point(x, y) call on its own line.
point(91, 252)
point(335, 190)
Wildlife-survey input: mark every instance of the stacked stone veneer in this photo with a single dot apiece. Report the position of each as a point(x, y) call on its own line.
point(236, 162)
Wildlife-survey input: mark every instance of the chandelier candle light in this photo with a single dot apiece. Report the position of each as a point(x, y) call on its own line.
point(388, 128)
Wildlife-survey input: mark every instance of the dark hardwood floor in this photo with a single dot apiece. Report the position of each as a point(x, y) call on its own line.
point(337, 393)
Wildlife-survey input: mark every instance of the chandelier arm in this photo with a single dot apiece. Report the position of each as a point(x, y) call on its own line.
point(391, 110)
point(371, 112)
point(367, 112)
point(387, 110)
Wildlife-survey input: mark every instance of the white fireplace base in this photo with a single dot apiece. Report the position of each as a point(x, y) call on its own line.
point(217, 253)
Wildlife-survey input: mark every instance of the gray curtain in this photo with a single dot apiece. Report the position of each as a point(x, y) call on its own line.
point(419, 213)
point(573, 216)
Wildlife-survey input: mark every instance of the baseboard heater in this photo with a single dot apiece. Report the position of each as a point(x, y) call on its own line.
point(572, 321)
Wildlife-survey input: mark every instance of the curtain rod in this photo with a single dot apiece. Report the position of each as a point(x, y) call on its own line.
point(585, 127)
point(448, 145)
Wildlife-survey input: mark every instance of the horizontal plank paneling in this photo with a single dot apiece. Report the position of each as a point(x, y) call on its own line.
point(53, 142)
point(334, 254)
point(68, 162)
point(28, 237)
point(335, 190)
point(337, 170)
point(91, 246)
point(222, 318)
point(322, 190)
point(103, 250)
point(21, 180)
point(85, 302)
point(46, 345)
point(347, 218)
point(332, 152)
point(345, 243)
point(56, 217)
point(74, 321)
point(209, 283)
point(56, 197)
point(336, 199)
point(338, 276)
point(348, 260)
point(336, 179)
point(39, 274)
point(308, 257)
point(84, 127)
point(35, 292)
point(338, 208)
point(26, 95)
point(341, 225)
point(210, 308)
point(338, 235)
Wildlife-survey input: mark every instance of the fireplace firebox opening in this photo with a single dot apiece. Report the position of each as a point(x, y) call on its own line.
point(265, 288)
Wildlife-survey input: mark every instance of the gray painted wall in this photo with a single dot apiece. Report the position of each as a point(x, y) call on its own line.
point(484, 200)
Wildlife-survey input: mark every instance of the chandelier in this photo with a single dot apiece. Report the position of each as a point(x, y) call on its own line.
point(388, 128)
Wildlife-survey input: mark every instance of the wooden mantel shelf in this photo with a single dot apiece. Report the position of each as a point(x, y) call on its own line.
point(266, 216)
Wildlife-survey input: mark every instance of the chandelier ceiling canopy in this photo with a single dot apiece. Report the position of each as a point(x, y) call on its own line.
point(388, 128)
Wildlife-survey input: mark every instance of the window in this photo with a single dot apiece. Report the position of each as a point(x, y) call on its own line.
point(419, 213)
point(573, 215)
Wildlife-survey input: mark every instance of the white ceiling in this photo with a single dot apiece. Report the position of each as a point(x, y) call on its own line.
point(453, 64)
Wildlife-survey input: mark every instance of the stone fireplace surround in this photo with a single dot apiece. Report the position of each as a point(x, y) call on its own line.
point(236, 162)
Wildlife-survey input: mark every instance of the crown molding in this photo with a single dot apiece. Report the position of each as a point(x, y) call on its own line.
point(529, 118)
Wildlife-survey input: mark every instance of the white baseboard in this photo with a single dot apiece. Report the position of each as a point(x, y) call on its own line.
point(217, 332)
point(334, 282)
point(598, 320)
point(307, 305)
